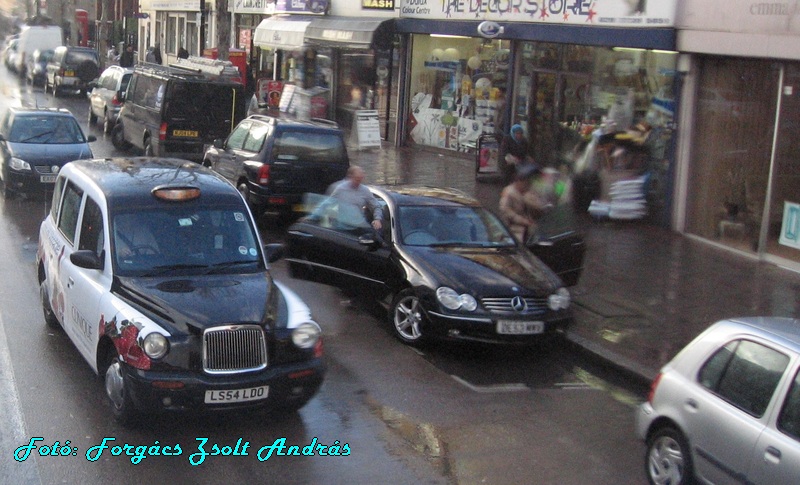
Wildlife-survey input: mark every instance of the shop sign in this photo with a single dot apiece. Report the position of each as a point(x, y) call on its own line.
point(608, 13)
point(332, 34)
point(790, 230)
point(302, 6)
point(250, 6)
point(377, 4)
point(489, 29)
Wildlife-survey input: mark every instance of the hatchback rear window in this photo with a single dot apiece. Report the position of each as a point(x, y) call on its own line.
point(310, 147)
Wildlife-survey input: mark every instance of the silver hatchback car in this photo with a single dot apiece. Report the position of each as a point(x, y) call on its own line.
point(106, 95)
point(726, 409)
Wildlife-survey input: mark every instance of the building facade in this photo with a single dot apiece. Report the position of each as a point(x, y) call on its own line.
point(738, 183)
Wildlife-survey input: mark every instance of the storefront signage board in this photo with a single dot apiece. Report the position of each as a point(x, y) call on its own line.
point(318, 7)
point(790, 230)
point(609, 13)
point(377, 4)
point(368, 128)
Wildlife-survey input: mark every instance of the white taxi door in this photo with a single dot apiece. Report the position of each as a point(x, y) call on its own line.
point(83, 287)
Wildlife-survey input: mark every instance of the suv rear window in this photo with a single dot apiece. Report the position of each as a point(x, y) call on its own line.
point(77, 57)
point(309, 146)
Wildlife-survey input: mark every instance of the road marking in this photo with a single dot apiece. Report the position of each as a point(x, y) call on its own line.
point(512, 387)
point(14, 424)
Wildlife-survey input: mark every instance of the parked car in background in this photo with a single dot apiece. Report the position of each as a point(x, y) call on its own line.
point(36, 71)
point(106, 95)
point(32, 38)
point(34, 144)
point(72, 68)
point(445, 266)
point(274, 162)
point(726, 409)
point(10, 53)
point(156, 271)
point(177, 112)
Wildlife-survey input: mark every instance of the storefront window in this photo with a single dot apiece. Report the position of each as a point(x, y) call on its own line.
point(457, 90)
point(783, 226)
point(732, 146)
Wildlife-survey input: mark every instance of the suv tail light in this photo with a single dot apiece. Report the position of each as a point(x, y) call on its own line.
point(263, 175)
point(115, 100)
point(162, 131)
point(653, 386)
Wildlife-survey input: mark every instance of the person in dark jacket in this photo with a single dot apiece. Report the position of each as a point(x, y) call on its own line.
point(126, 59)
point(183, 53)
point(514, 151)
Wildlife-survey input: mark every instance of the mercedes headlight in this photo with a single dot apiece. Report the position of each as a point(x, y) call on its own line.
point(450, 299)
point(155, 345)
point(306, 335)
point(559, 300)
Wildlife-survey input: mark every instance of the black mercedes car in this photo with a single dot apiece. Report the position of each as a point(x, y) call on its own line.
point(445, 266)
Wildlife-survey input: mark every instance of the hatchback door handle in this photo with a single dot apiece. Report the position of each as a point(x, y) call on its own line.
point(70, 282)
point(691, 403)
point(772, 455)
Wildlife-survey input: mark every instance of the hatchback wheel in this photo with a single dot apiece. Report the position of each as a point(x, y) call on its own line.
point(92, 116)
point(407, 318)
point(668, 461)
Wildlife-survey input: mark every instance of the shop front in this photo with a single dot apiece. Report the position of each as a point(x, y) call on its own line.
point(358, 66)
point(743, 156)
point(594, 90)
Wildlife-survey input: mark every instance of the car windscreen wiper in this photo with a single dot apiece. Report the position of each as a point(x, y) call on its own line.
point(166, 268)
point(228, 264)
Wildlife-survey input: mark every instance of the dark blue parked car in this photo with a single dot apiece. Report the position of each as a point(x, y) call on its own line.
point(34, 144)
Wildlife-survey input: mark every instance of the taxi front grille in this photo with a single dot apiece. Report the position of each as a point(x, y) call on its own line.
point(516, 305)
point(232, 349)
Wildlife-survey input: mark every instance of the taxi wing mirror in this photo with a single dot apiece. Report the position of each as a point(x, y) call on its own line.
point(274, 251)
point(86, 258)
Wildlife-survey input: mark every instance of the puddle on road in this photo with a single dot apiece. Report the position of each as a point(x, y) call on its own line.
point(423, 437)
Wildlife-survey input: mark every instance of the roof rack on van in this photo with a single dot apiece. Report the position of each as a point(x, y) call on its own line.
point(213, 67)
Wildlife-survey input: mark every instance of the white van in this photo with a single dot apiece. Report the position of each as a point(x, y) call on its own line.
point(34, 37)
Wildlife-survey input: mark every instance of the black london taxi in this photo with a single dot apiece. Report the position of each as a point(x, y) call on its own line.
point(156, 272)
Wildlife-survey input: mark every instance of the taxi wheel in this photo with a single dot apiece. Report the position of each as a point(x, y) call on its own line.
point(49, 315)
point(668, 458)
point(118, 393)
point(407, 318)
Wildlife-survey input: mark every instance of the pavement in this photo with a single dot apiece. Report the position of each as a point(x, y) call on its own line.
point(645, 290)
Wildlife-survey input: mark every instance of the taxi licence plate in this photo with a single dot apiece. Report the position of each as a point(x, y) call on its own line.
point(507, 327)
point(47, 179)
point(224, 396)
point(190, 133)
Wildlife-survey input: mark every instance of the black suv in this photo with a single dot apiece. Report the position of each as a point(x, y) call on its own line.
point(274, 161)
point(171, 111)
point(71, 68)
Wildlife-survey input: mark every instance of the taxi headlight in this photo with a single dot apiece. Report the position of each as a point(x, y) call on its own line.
point(450, 299)
point(306, 335)
point(19, 164)
point(559, 300)
point(155, 345)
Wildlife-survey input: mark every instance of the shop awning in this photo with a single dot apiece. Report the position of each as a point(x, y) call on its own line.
point(351, 32)
point(285, 32)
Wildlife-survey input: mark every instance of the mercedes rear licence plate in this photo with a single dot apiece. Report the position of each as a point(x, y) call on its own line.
point(191, 133)
point(519, 328)
point(225, 396)
point(47, 179)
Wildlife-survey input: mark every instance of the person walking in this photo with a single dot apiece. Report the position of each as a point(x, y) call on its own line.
point(514, 151)
point(126, 59)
